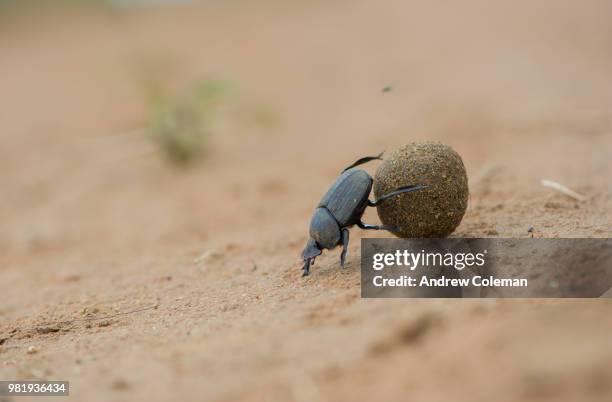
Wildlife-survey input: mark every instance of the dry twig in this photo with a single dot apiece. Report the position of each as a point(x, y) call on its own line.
point(561, 188)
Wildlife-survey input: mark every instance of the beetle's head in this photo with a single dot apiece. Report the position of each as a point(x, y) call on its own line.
point(311, 251)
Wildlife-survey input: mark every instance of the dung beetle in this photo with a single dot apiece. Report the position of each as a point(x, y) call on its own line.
point(342, 207)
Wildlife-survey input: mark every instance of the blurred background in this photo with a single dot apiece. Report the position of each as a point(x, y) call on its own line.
point(169, 153)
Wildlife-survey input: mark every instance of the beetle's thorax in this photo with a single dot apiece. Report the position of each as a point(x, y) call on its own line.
point(324, 228)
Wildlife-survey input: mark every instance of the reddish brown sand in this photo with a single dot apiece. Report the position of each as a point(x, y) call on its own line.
point(95, 230)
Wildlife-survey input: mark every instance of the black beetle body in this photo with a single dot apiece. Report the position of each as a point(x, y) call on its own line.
point(348, 196)
point(342, 207)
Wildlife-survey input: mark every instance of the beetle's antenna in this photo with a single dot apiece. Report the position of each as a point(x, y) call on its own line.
point(365, 160)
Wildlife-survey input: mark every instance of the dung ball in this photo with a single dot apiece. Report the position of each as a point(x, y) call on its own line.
point(435, 211)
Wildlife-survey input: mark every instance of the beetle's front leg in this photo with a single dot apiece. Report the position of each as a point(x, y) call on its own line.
point(345, 242)
point(311, 251)
point(306, 267)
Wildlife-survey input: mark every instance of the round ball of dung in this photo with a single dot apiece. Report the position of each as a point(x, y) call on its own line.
point(434, 211)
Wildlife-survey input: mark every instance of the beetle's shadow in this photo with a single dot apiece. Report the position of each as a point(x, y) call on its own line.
point(330, 267)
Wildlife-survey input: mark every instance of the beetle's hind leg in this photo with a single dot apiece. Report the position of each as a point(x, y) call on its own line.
point(345, 242)
point(401, 190)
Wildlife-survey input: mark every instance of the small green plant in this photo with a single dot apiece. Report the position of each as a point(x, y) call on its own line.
point(182, 124)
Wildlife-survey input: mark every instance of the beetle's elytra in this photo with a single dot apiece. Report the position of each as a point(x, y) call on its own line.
point(342, 207)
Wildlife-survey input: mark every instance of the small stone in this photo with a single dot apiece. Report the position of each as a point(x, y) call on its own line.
point(32, 350)
point(48, 329)
point(120, 384)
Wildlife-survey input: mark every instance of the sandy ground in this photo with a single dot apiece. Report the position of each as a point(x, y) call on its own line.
point(139, 281)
